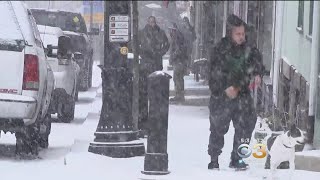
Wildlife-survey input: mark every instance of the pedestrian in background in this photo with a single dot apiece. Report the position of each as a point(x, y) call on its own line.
point(189, 36)
point(179, 58)
point(153, 44)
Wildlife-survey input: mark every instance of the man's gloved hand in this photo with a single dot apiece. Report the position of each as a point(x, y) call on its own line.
point(232, 92)
point(257, 80)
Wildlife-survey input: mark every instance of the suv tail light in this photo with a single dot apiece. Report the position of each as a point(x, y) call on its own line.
point(31, 73)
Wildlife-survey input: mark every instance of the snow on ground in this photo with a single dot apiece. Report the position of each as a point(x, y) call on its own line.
point(68, 156)
point(190, 82)
point(309, 153)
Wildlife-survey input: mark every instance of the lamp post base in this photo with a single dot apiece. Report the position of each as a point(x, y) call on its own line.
point(155, 172)
point(124, 149)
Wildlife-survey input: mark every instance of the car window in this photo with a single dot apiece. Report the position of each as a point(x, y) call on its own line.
point(66, 21)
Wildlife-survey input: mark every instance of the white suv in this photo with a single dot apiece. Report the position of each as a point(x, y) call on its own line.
point(26, 81)
point(66, 74)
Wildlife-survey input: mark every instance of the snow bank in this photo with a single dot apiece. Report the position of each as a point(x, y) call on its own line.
point(312, 153)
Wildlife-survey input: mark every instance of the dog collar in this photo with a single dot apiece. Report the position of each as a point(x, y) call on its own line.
point(287, 146)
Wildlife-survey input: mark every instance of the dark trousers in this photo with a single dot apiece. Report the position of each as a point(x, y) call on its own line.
point(222, 110)
point(178, 79)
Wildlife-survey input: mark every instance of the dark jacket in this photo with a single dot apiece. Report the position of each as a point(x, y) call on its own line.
point(190, 36)
point(153, 45)
point(232, 65)
point(178, 51)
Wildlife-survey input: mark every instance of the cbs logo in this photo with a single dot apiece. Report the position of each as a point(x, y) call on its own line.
point(245, 151)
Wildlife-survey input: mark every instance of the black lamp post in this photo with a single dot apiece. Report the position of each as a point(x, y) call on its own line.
point(115, 135)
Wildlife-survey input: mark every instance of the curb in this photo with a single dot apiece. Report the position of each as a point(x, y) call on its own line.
point(307, 163)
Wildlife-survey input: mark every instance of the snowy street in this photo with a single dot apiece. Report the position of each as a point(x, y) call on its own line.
point(68, 158)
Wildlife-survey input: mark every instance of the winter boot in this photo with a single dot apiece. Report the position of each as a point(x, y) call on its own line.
point(214, 164)
point(238, 164)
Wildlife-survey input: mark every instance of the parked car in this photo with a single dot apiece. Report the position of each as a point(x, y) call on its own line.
point(66, 72)
point(72, 25)
point(26, 81)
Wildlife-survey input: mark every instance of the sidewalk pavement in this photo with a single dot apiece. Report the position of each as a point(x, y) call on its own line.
point(308, 160)
point(196, 93)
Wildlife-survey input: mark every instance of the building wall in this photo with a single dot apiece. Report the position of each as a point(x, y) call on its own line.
point(296, 47)
point(298, 56)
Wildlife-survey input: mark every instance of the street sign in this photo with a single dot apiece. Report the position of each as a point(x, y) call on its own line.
point(119, 25)
point(119, 18)
point(119, 32)
point(118, 28)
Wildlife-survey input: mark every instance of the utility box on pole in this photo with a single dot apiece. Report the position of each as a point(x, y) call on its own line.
point(115, 135)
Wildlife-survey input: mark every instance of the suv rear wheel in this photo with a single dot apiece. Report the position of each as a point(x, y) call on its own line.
point(32, 137)
point(44, 132)
point(27, 141)
point(85, 77)
point(67, 110)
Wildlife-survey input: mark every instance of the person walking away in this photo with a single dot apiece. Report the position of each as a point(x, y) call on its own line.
point(233, 63)
point(153, 44)
point(178, 56)
point(190, 36)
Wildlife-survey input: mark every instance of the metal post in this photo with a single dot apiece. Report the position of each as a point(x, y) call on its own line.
point(91, 14)
point(115, 135)
point(314, 77)
point(135, 49)
point(197, 28)
point(225, 14)
point(156, 158)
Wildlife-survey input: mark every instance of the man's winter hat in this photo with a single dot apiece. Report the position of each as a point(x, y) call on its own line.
point(234, 21)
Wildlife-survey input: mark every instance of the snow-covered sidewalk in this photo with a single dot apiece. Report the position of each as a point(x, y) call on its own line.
point(68, 156)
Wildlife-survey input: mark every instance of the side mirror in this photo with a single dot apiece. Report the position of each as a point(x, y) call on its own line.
point(50, 51)
point(79, 58)
point(64, 47)
point(94, 31)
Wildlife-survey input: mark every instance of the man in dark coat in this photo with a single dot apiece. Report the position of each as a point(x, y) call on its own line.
point(153, 44)
point(190, 36)
point(233, 63)
point(178, 56)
